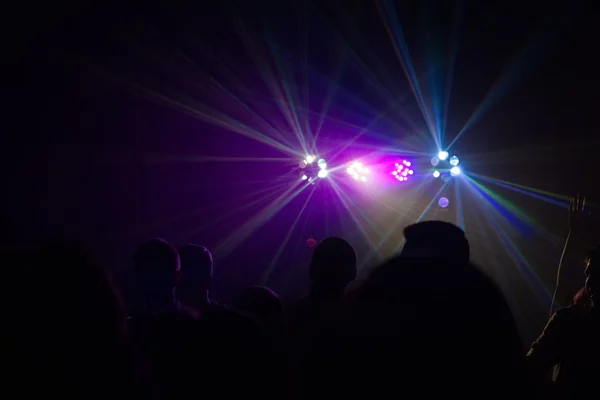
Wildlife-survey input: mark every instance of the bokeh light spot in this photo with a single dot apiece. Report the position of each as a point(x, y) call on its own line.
point(402, 170)
point(358, 171)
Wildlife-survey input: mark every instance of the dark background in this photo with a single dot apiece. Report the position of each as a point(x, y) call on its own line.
point(78, 141)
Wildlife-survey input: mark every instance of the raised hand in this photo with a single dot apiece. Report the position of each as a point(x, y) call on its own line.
point(581, 222)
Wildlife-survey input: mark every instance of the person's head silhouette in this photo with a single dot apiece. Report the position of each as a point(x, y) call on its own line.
point(196, 274)
point(156, 265)
point(436, 239)
point(333, 266)
point(592, 273)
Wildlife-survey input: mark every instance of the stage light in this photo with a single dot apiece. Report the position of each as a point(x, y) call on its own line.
point(311, 169)
point(443, 202)
point(309, 159)
point(358, 171)
point(402, 170)
point(447, 166)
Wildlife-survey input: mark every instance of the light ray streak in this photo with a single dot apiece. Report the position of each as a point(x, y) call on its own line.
point(513, 251)
point(401, 50)
point(382, 89)
point(285, 241)
point(459, 207)
point(329, 94)
point(182, 158)
point(349, 204)
point(395, 224)
point(453, 50)
point(244, 203)
point(218, 119)
point(512, 211)
point(492, 258)
point(293, 119)
point(548, 197)
point(363, 131)
point(181, 106)
point(400, 214)
point(305, 85)
point(269, 77)
point(432, 202)
point(259, 220)
point(523, 62)
point(236, 100)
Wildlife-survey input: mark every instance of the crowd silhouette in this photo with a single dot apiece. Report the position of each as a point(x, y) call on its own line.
point(426, 323)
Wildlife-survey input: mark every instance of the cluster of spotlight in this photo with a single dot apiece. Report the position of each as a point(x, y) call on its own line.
point(313, 168)
point(402, 170)
point(453, 161)
point(358, 171)
point(309, 173)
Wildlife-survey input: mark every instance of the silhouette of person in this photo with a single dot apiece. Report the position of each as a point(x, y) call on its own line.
point(424, 324)
point(584, 231)
point(426, 320)
point(332, 268)
point(69, 334)
point(156, 266)
point(571, 341)
point(436, 239)
point(196, 277)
